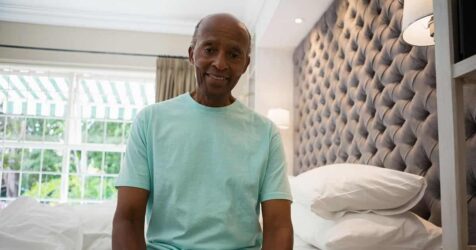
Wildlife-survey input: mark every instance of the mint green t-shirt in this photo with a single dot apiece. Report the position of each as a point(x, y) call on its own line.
point(207, 170)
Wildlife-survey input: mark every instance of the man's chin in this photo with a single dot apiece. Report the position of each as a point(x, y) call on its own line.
point(217, 94)
point(217, 88)
point(218, 84)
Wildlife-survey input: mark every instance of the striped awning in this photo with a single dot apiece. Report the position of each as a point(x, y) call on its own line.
point(49, 95)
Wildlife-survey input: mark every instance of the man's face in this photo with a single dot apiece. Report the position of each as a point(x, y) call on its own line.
point(220, 56)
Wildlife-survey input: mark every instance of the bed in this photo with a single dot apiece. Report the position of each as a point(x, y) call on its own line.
point(360, 207)
point(27, 224)
point(364, 96)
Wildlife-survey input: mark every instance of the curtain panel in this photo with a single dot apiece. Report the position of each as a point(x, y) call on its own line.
point(174, 76)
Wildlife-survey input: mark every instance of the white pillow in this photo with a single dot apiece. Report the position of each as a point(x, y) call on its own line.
point(333, 190)
point(365, 231)
point(299, 244)
point(27, 224)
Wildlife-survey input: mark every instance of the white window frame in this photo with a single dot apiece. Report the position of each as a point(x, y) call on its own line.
point(66, 147)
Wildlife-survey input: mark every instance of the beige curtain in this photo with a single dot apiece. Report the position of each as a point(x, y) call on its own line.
point(174, 76)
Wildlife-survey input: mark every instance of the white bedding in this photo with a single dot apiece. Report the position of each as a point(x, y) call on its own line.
point(26, 224)
point(299, 244)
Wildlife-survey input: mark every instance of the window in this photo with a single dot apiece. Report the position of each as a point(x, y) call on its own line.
point(63, 132)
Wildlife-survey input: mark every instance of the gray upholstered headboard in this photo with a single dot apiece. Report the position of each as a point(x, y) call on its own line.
point(363, 95)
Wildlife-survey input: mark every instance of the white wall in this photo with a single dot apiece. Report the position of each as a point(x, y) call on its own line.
point(274, 89)
point(71, 38)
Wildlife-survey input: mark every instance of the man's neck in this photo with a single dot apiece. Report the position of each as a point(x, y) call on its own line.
point(212, 102)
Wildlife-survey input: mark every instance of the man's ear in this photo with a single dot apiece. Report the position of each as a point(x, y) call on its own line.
point(190, 54)
point(247, 64)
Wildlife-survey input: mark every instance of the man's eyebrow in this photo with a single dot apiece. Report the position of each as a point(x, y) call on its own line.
point(237, 49)
point(235, 46)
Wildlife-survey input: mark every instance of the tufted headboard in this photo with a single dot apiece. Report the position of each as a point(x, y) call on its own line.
point(363, 95)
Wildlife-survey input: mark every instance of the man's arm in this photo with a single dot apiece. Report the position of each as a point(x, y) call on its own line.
point(128, 223)
point(277, 226)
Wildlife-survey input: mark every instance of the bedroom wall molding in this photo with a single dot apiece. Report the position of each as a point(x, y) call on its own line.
point(93, 19)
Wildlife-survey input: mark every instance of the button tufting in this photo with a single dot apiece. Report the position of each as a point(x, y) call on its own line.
point(366, 96)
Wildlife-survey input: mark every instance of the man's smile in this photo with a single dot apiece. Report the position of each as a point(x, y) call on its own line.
point(217, 77)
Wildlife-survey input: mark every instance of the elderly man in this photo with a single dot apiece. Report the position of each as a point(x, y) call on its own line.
point(199, 166)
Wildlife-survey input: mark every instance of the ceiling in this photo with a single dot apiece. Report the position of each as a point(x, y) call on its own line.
point(272, 21)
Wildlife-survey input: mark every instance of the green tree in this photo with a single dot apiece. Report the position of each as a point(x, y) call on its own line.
point(50, 187)
point(34, 129)
point(12, 158)
point(54, 130)
point(94, 131)
point(114, 132)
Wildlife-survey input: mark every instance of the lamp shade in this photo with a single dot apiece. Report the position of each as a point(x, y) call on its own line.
point(416, 16)
point(280, 117)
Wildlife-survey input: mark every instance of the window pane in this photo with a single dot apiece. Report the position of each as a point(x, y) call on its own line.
point(2, 150)
point(2, 125)
point(9, 185)
point(112, 162)
point(109, 190)
point(12, 158)
point(34, 129)
point(92, 187)
point(13, 130)
point(75, 162)
point(54, 130)
point(30, 185)
point(94, 162)
point(50, 186)
point(31, 159)
point(114, 132)
point(127, 129)
point(74, 187)
point(52, 160)
point(94, 131)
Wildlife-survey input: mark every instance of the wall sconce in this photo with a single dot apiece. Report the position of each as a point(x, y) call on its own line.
point(417, 22)
point(280, 117)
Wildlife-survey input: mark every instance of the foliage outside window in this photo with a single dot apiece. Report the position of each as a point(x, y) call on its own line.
point(63, 133)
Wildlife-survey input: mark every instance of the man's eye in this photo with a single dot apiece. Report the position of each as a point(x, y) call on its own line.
point(209, 50)
point(235, 55)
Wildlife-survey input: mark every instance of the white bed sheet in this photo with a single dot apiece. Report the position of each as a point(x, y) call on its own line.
point(26, 224)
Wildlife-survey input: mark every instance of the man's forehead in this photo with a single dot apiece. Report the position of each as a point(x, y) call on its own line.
point(216, 24)
point(213, 40)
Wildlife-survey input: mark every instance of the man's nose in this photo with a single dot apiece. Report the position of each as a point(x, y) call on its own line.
point(219, 62)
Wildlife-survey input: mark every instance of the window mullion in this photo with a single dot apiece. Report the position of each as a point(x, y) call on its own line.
point(40, 178)
point(20, 174)
point(67, 136)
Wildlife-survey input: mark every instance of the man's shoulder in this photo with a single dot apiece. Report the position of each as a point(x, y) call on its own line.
point(257, 118)
point(165, 105)
point(172, 102)
point(161, 109)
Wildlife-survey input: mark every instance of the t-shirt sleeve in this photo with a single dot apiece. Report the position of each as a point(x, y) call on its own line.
point(275, 183)
point(135, 170)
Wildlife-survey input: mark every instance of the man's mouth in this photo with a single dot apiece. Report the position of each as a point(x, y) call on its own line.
point(217, 77)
